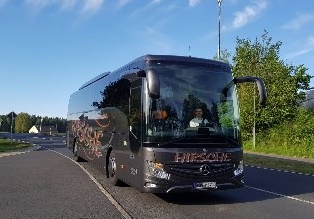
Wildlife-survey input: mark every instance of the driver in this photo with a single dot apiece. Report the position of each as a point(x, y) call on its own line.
point(198, 120)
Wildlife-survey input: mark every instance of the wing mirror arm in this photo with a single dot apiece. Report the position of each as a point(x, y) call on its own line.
point(260, 86)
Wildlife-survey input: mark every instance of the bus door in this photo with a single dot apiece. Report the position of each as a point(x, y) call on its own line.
point(135, 136)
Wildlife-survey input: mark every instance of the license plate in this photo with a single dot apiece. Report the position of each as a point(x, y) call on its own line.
point(204, 185)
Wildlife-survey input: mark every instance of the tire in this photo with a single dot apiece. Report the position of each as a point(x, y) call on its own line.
point(112, 170)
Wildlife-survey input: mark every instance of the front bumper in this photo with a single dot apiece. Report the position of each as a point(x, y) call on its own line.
point(186, 185)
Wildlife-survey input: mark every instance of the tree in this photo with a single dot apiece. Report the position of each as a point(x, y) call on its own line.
point(59, 123)
point(261, 58)
point(224, 56)
point(23, 123)
point(5, 124)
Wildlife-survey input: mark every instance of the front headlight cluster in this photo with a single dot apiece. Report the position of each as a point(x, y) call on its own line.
point(157, 170)
point(239, 169)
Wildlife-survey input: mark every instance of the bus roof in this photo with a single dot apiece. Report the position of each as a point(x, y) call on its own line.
point(94, 79)
point(150, 57)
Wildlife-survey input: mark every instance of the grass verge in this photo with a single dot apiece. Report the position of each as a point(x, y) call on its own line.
point(8, 145)
point(279, 164)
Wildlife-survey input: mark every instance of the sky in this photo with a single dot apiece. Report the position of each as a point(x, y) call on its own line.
point(49, 48)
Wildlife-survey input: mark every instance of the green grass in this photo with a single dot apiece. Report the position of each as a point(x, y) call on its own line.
point(8, 145)
point(284, 148)
point(275, 144)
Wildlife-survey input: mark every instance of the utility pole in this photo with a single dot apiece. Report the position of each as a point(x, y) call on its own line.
point(219, 8)
point(41, 123)
point(11, 124)
point(254, 133)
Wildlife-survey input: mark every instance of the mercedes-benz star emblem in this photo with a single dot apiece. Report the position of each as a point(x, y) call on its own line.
point(205, 169)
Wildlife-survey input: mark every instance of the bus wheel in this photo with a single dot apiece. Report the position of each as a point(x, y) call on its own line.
point(75, 156)
point(112, 169)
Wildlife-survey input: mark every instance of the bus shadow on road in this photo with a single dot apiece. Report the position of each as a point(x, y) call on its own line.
point(199, 198)
point(232, 196)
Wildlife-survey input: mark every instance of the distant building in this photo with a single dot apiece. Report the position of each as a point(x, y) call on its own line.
point(309, 100)
point(43, 129)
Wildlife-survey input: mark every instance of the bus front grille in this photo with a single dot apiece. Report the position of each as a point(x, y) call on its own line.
point(202, 170)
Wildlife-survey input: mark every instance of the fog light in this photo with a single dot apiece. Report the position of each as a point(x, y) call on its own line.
point(150, 185)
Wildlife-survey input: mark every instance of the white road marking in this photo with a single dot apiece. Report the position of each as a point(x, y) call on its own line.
point(281, 195)
point(124, 213)
point(278, 170)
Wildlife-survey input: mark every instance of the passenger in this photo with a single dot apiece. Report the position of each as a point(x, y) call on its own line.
point(160, 114)
point(198, 121)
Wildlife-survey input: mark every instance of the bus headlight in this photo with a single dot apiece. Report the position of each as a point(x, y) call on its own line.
point(157, 170)
point(239, 169)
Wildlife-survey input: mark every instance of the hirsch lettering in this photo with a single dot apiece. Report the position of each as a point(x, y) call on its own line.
point(202, 157)
point(86, 135)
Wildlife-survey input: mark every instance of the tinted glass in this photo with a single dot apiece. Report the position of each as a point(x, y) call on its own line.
point(189, 91)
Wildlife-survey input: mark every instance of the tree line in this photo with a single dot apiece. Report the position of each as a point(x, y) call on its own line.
point(22, 122)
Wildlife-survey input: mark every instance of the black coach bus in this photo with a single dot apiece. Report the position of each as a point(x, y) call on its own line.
point(136, 124)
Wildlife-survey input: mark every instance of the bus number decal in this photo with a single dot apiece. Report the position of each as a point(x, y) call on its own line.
point(133, 171)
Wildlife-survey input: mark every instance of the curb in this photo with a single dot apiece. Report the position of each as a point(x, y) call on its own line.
point(279, 157)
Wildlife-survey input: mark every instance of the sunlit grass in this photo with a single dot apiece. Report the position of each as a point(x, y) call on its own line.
point(8, 145)
point(284, 148)
point(281, 145)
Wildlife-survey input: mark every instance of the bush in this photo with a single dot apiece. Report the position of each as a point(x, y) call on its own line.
point(291, 138)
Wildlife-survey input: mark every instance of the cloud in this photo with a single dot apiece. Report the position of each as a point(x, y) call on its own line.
point(309, 47)
point(68, 4)
point(87, 6)
point(311, 41)
point(249, 12)
point(171, 7)
point(149, 5)
point(159, 42)
point(39, 4)
point(155, 1)
point(122, 3)
point(298, 22)
point(3, 2)
point(193, 3)
point(92, 6)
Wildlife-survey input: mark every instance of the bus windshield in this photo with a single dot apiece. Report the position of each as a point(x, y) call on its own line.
point(191, 103)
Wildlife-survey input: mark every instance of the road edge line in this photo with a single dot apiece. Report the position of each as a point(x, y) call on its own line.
point(281, 195)
point(119, 207)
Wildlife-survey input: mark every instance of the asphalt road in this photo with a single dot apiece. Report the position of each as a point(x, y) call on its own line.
point(47, 184)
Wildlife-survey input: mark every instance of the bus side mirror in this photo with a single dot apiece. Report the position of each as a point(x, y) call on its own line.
point(259, 82)
point(260, 86)
point(153, 83)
